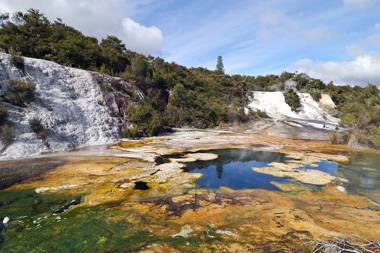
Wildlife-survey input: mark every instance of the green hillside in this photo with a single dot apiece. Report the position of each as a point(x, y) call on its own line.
point(178, 96)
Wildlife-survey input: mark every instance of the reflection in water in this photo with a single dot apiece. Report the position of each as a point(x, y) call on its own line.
point(367, 183)
point(362, 173)
point(232, 169)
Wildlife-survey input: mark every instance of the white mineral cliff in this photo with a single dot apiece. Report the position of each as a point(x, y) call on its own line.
point(311, 113)
point(68, 102)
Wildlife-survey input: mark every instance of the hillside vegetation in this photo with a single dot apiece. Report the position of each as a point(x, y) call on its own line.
point(177, 96)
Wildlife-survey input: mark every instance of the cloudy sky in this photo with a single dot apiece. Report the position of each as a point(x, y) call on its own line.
point(334, 40)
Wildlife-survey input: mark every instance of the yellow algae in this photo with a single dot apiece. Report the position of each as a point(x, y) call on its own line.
point(198, 191)
point(291, 187)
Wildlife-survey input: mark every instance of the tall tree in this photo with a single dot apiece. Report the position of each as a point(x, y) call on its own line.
point(113, 54)
point(219, 64)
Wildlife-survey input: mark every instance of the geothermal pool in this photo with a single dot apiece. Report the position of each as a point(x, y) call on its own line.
point(165, 205)
point(233, 169)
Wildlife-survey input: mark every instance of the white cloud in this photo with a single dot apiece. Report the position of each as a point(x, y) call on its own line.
point(359, 4)
point(148, 40)
point(97, 18)
point(363, 69)
point(91, 19)
point(275, 24)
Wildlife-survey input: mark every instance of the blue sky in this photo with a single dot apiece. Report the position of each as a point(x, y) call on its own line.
point(335, 40)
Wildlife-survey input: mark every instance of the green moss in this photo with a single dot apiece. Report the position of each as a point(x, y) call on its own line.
point(27, 202)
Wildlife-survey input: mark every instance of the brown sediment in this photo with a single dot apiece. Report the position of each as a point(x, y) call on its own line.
point(15, 171)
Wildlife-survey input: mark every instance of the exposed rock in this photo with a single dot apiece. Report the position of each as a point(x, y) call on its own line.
point(185, 232)
point(74, 202)
point(326, 102)
point(273, 103)
point(341, 188)
point(293, 170)
point(73, 105)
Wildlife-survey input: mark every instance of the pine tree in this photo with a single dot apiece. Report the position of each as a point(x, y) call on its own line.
point(219, 64)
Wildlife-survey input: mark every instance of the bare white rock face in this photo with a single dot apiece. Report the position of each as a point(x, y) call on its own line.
point(68, 102)
point(273, 103)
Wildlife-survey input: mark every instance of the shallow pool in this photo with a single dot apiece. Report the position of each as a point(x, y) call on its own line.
point(362, 173)
point(232, 169)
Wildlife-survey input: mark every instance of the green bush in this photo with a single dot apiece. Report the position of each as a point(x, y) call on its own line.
point(316, 95)
point(351, 112)
point(129, 92)
point(115, 84)
point(262, 114)
point(19, 93)
point(333, 138)
point(148, 121)
point(293, 100)
point(140, 66)
point(38, 128)
point(374, 137)
point(155, 125)
point(6, 135)
point(3, 114)
point(16, 59)
point(130, 133)
point(108, 89)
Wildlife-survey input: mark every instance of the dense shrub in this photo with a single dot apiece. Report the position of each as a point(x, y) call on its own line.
point(129, 92)
point(115, 84)
point(6, 135)
point(374, 137)
point(140, 66)
point(38, 128)
point(292, 99)
point(130, 133)
point(16, 59)
point(333, 138)
point(262, 114)
point(3, 114)
point(316, 95)
point(19, 93)
point(147, 120)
